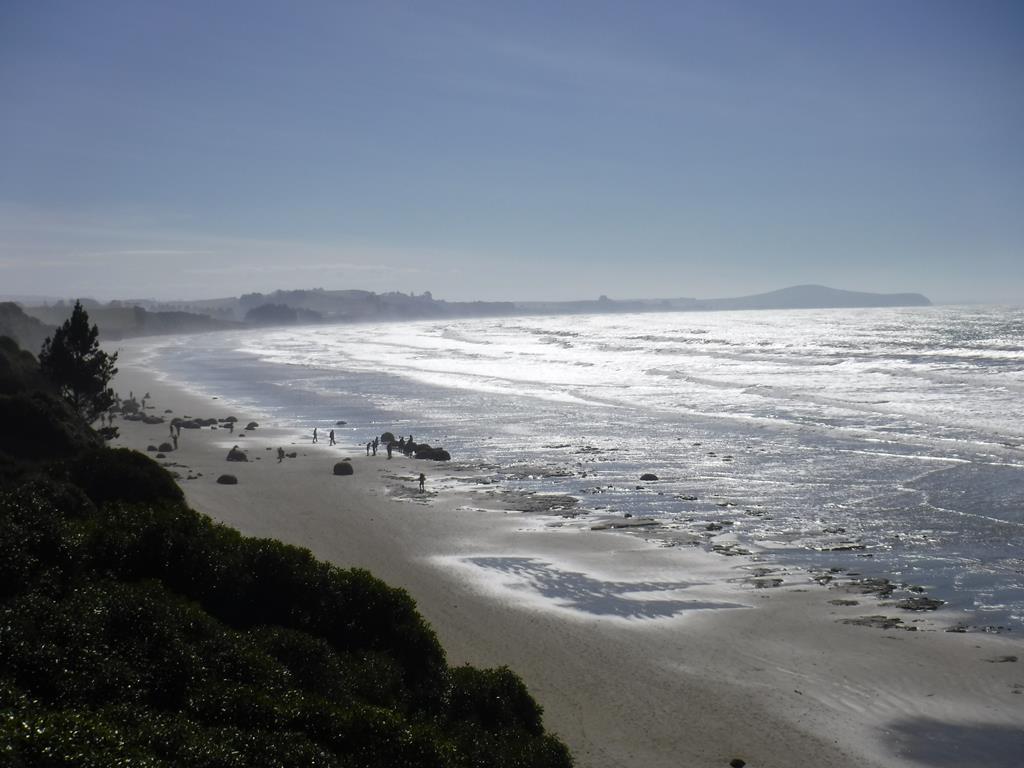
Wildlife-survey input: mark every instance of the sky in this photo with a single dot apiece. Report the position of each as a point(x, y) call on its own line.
point(512, 150)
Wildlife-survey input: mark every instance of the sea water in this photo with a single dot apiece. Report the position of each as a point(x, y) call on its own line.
point(872, 442)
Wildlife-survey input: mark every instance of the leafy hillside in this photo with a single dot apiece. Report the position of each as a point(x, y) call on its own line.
point(135, 631)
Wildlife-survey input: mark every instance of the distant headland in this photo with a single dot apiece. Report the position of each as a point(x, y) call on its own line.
point(29, 321)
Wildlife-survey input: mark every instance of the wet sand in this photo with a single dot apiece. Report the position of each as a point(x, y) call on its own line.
point(640, 655)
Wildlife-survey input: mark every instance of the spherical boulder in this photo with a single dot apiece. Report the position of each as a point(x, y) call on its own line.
point(343, 468)
point(648, 476)
point(227, 480)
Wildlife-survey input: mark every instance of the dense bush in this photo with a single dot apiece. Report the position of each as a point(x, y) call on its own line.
point(121, 474)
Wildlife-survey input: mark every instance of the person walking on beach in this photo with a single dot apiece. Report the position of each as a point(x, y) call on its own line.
point(331, 437)
point(423, 480)
point(369, 443)
point(174, 439)
point(314, 434)
point(388, 446)
point(280, 455)
point(177, 428)
point(170, 428)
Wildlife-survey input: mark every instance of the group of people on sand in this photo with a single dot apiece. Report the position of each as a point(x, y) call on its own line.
point(371, 449)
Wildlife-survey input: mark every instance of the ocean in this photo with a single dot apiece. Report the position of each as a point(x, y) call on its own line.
point(843, 445)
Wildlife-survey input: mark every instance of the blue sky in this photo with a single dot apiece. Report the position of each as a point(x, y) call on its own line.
point(512, 150)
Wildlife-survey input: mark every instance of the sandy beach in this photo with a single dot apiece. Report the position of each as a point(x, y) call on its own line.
point(640, 655)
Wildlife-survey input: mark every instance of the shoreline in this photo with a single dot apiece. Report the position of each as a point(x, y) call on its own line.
point(779, 681)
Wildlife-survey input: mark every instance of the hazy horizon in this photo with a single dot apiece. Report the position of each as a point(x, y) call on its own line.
point(526, 152)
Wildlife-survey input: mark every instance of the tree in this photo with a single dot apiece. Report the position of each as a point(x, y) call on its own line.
point(73, 360)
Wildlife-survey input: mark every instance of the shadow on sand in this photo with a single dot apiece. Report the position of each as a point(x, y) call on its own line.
point(580, 592)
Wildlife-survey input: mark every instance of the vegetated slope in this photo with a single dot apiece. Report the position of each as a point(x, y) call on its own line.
point(27, 331)
point(135, 631)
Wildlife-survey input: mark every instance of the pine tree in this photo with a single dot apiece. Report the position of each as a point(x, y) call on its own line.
point(73, 360)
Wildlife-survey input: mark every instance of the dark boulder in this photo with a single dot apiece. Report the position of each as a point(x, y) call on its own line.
point(227, 480)
point(648, 476)
point(237, 455)
point(251, 425)
point(166, 447)
point(151, 448)
point(343, 468)
point(387, 437)
point(432, 454)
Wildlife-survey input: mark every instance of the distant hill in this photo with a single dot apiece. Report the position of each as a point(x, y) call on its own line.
point(795, 297)
point(816, 297)
point(117, 321)
point(147, 317)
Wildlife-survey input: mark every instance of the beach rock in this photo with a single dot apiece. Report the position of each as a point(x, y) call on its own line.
point(152, 420)
point(232, 419)
point(920, 604)
point(292, 455)
point(878, 622)
point(166, 447)
point(387, 437)
point(636, 522)
point(340, 423)
point(879, 586)
point(737, 763)
point(168, 410)
point(343, 468)
point(647, 476)
point(227, 480)
point(432, 454)
point(151, 448)
point(237, 455)
point(161, 456)
point(251, 425)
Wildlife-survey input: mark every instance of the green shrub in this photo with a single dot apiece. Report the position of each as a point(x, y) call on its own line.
point(494, 698)
point(372, 677)
point(39, 539)
point(121, 474)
